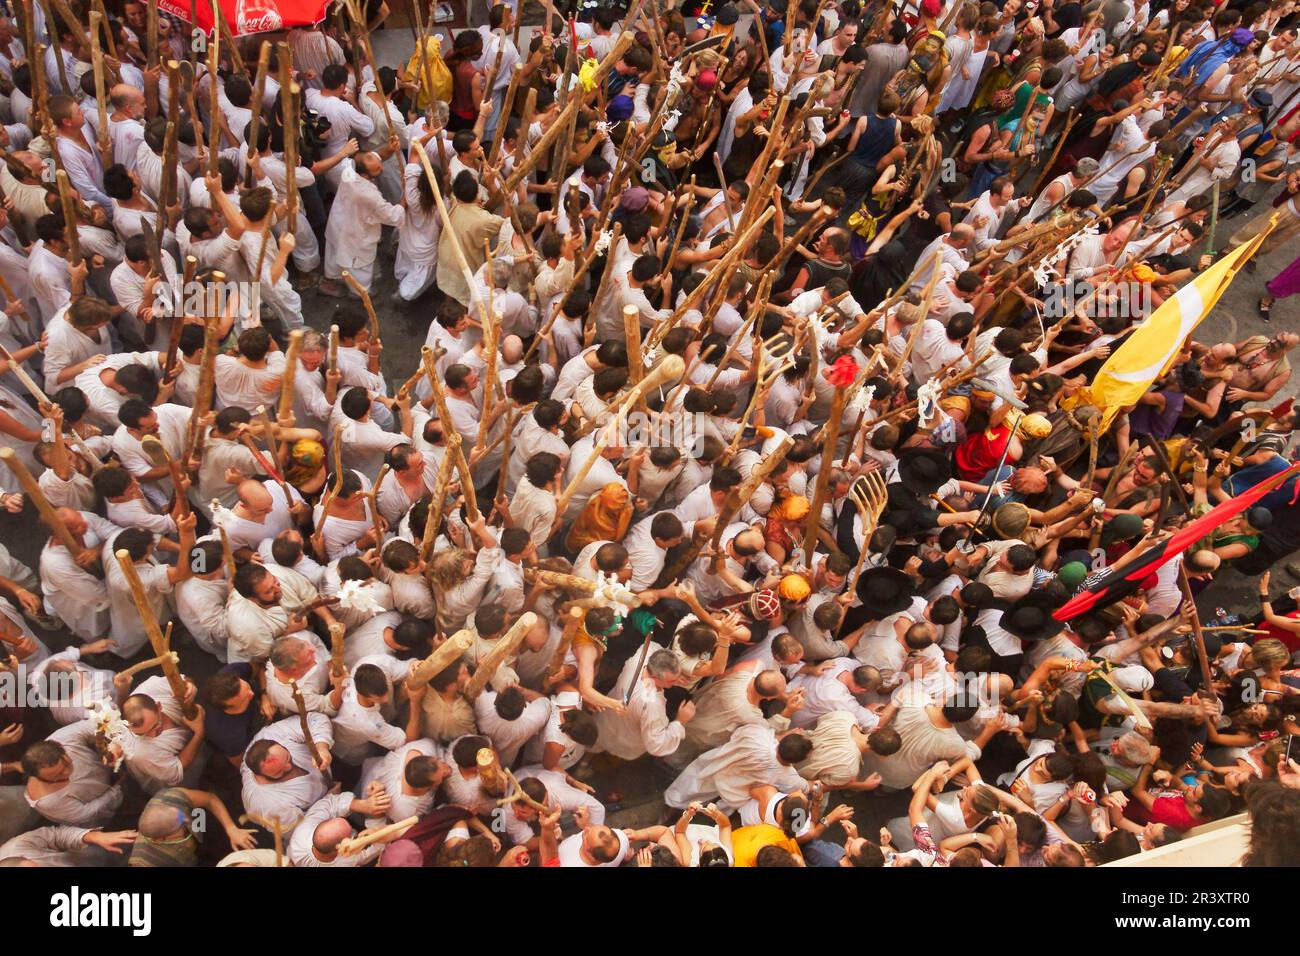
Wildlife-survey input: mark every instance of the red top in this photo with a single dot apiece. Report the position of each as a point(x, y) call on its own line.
point(980, 453)
point(462, 91)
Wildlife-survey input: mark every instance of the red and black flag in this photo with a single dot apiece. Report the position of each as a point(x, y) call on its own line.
point(1116, 587)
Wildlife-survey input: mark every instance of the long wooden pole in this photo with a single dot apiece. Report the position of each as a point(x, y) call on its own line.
point(156, 638)
point(444, 416)
point(449, 650)
point(33, 491)
point(506, 645)
point(291, 354)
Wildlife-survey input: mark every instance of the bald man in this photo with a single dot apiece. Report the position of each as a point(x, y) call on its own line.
point(165, 835)
point(262, 512)
point(316, 839)
point(953, 250)
point(126, 123)
point(164, 743)
point(356, 222)
point(731, 702)
point(71, 591)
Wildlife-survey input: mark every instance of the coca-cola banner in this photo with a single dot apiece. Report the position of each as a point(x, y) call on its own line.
point(247, 17)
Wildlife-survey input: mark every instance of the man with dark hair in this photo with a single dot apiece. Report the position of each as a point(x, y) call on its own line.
point(470, 226)
point(345, 122)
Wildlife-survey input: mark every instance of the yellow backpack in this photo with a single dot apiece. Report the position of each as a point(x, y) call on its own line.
point(437, 81)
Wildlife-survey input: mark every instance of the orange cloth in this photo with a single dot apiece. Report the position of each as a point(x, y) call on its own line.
point(747, 841)
point(604, 518)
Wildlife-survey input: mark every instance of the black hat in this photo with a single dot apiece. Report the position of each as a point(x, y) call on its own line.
point(1259, 518)
point(923, 471)
point(884, 591)
point(728, 15)
point(1030, 617)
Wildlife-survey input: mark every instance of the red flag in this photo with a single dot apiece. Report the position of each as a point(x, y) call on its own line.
point(1113, 587)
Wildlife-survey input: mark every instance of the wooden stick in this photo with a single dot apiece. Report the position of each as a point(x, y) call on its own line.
point(151, 35)
point(566, 114)
point(273, 825)
point(290, 370)
point(364, 296)
point(375, 518)
point(152, 662)
point(467, 274)
point(101, 94)
point(736, 499)
point(207, 374)
point(69, 216)
point(219, 18)
point(438, 499)
point(606, 279)
point(449, 650)
point(214, 102)
point(52, 30)
point(723, 267)
point(160, 643)
point(364, 35)
point(289, 94)
point(830, 439)
point(354, 845)
point(506, 106)
point(505, 647)
point(337, 647)
point(571, 623)
point(33, 490)
point(303, 722)
point(444, 416)
point(42, 399)
point(259, 94)
point(670, 369)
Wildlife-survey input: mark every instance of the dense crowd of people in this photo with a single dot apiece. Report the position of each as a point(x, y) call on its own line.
point(765, 456)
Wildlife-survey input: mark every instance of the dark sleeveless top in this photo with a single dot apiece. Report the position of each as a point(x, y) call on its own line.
point(876, 140)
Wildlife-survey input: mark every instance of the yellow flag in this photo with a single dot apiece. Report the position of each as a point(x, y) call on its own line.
point(1150, 351)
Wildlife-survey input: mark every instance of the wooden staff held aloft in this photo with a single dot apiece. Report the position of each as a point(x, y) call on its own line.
point(214, 104)
point(177, 683)
point(830, 438)
point(392, 831)
point(572, 621)
point(669, 370)
point(364, 35)
point(207, 374)
point(42, 399)
point(485, 319)
point(33, 491)
point(736, 499)
point(289, 94)
point(364, 296)
point(259, 94)
point(452, 649)
point(69, 207)
point(101, 94)
point(285, 410)
point(438, 499)
point(444, 416)
point(307, 737)
point(506, 646)
point(542, 146)
point(157, 452)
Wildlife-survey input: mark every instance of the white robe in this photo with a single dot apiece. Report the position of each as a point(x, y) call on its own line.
point(355, 226)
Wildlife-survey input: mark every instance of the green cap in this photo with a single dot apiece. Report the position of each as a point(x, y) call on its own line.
point(1072, 574)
